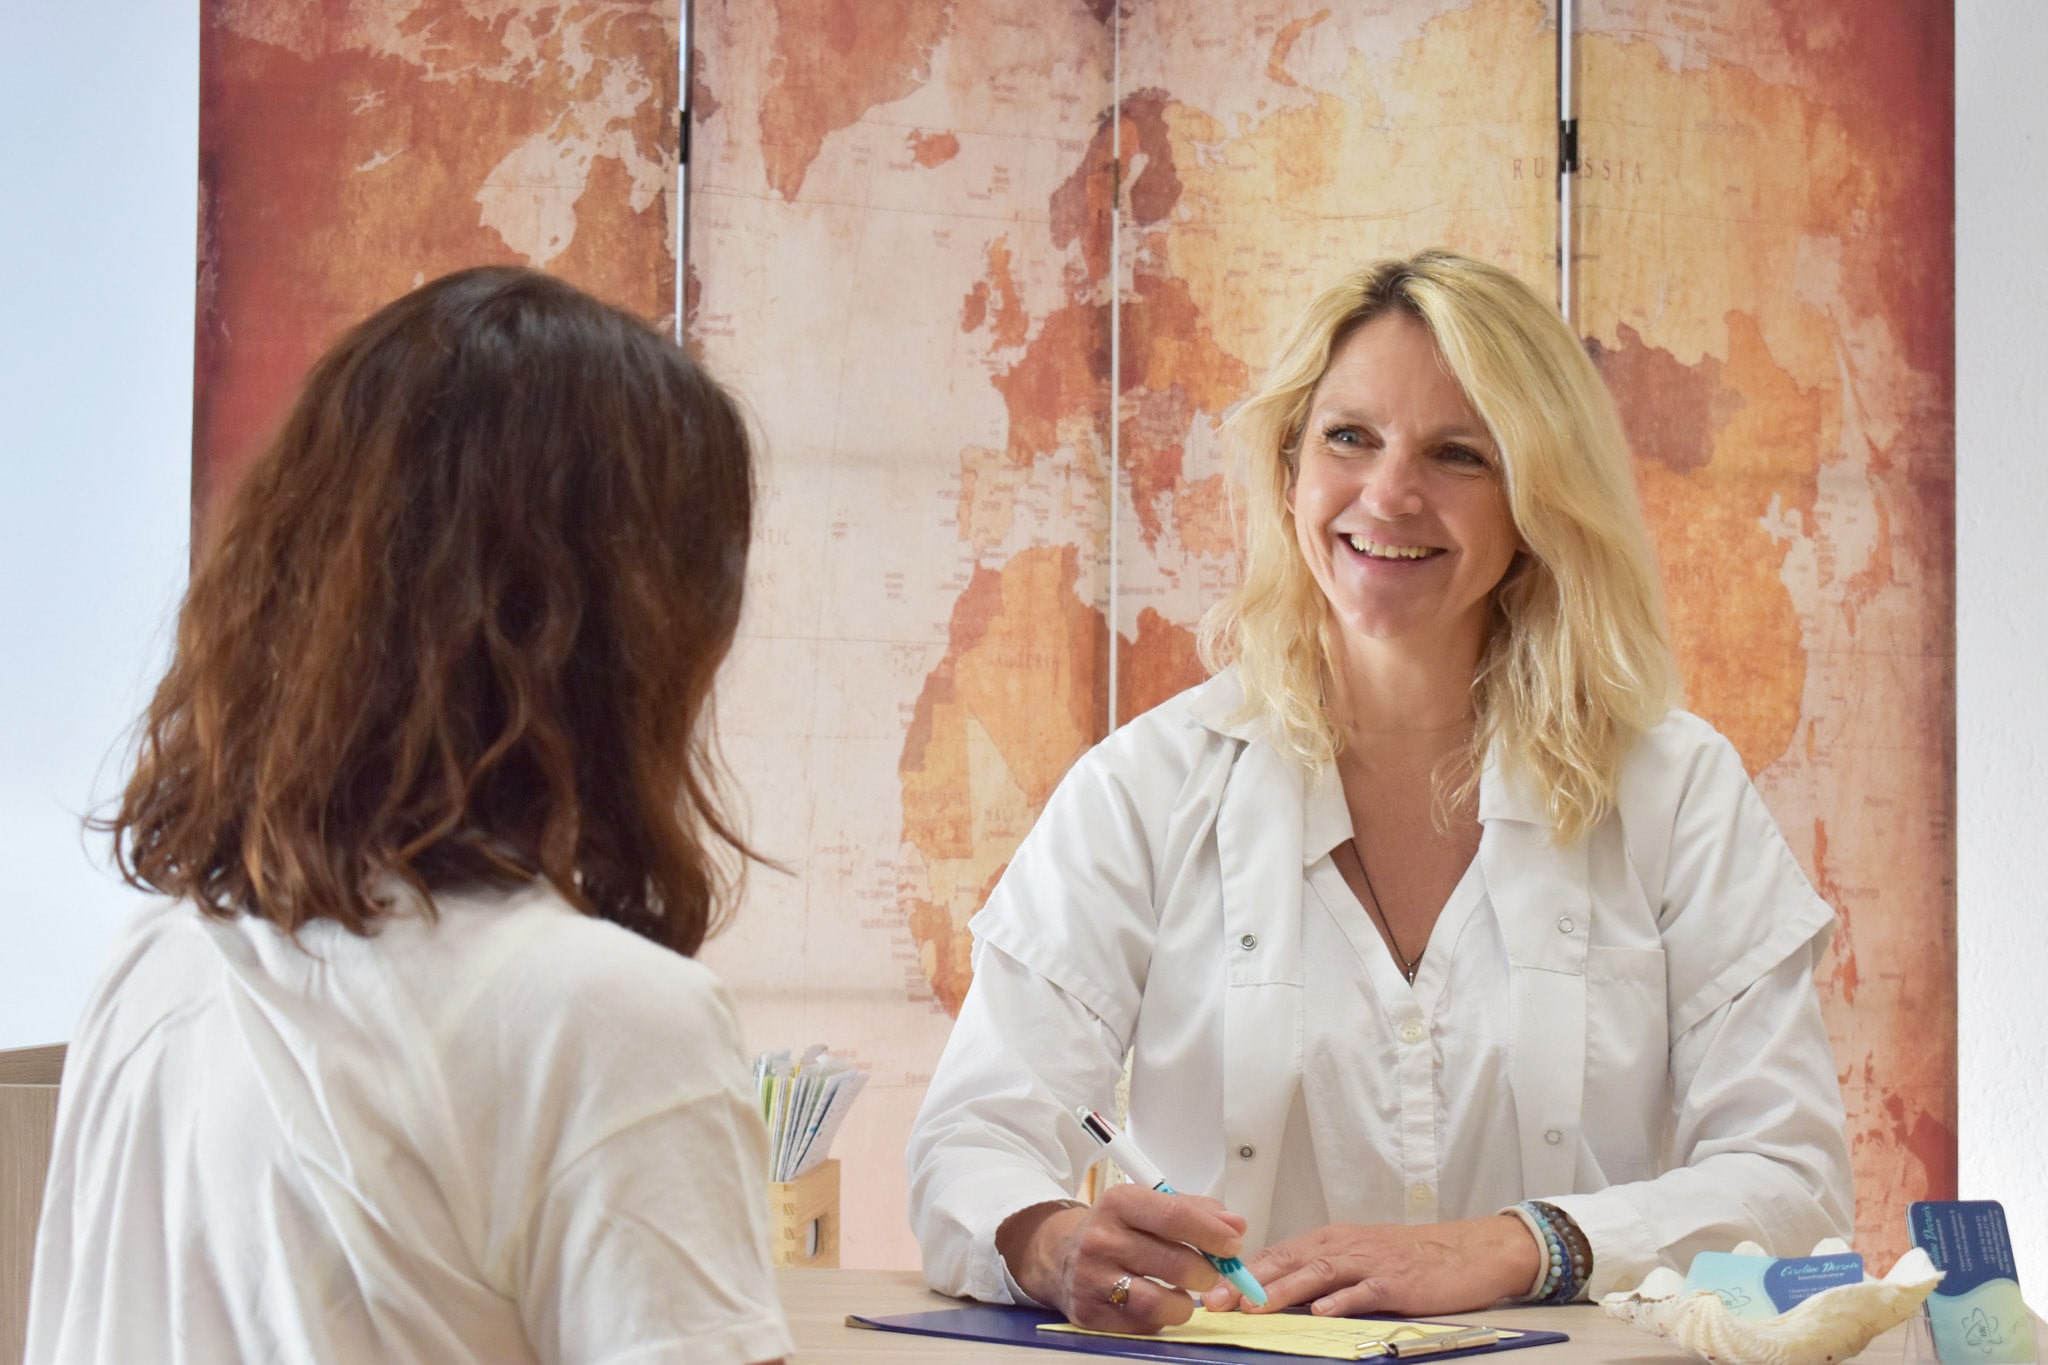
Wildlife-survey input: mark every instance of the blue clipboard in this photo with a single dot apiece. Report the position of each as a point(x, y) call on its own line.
point(1019, 1327)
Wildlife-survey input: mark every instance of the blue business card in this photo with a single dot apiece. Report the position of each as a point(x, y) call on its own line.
point(1765, 1286)
point(1975, 1313)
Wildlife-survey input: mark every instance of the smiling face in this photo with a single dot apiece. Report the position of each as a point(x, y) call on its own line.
point(1399, 506)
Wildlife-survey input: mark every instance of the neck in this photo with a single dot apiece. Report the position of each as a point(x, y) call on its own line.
point(1400, 698)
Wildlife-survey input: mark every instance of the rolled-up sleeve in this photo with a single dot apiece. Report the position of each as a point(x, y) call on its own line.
point(1757, 1138)
point(1061, 954)
point(996, 1133)
point(1756, 1148)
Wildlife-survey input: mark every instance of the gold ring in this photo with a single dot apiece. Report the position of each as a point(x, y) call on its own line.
point(1120, 1292)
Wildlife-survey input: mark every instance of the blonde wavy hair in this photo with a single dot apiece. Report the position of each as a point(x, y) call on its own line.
point(1577, 663)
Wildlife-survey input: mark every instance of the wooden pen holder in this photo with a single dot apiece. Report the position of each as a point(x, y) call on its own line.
point(803, 1218)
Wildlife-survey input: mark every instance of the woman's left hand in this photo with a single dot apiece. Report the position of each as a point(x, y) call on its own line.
point(1344, 1269)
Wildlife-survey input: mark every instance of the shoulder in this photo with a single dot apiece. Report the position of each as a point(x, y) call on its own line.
point(1679, 759)
point(1681, 737)
point(1731, 898)
point(541, 967)
point(1202, 715)
point(1682, 782)
point(159, 926)
point(161, 963)
point(1179, 735)
point(1148, 771)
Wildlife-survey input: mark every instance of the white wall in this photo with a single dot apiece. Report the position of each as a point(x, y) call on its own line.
point(99, 169)
point(2001, 642)
point(99, 155)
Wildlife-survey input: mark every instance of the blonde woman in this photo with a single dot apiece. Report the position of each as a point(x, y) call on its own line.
point(1455, 963)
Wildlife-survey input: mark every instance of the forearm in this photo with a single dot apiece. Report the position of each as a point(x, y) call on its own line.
point(1758, 1152)
point(957, 1210)
point(995, 1136)
point(1711, 1206)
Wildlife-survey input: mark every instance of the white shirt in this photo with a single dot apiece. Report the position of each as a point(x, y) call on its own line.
point(506, 1133)
point(1427, 1065)
point(1626, 1026)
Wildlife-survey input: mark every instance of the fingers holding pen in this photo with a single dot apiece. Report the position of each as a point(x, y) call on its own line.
point(1126, 1303)
point(1191, 1219)
point(1162, 1235)
point(1134, 1238)
point(1146, 1229)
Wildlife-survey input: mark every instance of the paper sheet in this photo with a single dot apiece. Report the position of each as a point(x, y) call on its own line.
point(803, 1102)
point(1294, 1334)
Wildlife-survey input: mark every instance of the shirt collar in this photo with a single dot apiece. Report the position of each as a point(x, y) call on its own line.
point(1503, 796)
point(1326, 819)
point(1219, 704)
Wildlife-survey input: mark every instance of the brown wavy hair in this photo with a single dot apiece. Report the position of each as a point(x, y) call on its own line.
point(460, 625)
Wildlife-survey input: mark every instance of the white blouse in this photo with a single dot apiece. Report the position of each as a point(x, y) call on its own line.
point(1663, 1073)
point(1426, 1065)
point(507, 1133)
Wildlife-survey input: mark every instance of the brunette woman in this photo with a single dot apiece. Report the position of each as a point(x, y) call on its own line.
point(412, 1061)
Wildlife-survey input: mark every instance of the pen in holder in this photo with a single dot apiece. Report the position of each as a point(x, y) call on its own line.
point(803, 1218)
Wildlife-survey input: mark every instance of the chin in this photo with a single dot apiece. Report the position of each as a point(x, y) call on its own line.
point(1373, 625)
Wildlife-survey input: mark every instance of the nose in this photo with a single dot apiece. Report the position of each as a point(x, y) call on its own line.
point(1393, 486)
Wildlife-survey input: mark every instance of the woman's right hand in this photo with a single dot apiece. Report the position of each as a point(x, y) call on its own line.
point(1070, 1257)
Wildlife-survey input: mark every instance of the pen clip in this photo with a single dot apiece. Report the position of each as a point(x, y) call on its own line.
point(1442, 1343)
point(1101, 1129)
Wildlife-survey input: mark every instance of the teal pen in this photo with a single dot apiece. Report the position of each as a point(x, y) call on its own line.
point(1125, 1154)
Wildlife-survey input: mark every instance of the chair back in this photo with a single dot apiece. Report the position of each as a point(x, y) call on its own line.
point(28, 1121)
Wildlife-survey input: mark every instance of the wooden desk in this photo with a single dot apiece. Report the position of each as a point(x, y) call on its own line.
point(817, 1302)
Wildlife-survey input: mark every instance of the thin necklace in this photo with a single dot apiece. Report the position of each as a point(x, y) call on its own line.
point(1408, 968)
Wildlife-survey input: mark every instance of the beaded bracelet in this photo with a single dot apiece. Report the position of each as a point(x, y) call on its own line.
point(1579, 1252)
point(1568, 1256)
point(1542, 1252)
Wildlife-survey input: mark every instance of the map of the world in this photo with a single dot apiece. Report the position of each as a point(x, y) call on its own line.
point(989, 273)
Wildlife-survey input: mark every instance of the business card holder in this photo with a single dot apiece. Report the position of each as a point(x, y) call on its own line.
point(1832, 1325)
point(1919, 1348)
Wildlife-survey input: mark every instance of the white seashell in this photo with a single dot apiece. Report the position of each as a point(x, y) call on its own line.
point(1833, 1325)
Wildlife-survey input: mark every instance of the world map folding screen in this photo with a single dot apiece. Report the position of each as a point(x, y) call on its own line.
point(989, 272)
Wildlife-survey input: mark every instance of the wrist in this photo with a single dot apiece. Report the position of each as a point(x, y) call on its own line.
point(1562, 1249)
point(1518, 1256)
point(1033, 1244)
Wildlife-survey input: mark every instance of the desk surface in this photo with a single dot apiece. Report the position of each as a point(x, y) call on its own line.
point(817, 1302)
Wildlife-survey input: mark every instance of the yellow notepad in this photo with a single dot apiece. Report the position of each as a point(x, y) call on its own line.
point(1294, 1334)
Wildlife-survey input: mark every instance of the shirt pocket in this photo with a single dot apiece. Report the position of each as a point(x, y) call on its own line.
point(1628, 1061)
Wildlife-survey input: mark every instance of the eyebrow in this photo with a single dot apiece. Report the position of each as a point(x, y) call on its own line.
point(1343, 413)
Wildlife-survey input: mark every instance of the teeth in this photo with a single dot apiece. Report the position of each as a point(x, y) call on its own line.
point(1378, 551)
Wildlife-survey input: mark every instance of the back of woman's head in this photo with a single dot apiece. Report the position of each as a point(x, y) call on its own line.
point(460, 624)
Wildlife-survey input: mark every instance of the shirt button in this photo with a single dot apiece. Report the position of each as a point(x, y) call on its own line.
point(1247, 1151)
point(1552, 1136)
point(1564, 924)
point(1413, 1031)
point(1418, 1196)
point(1248, 942)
